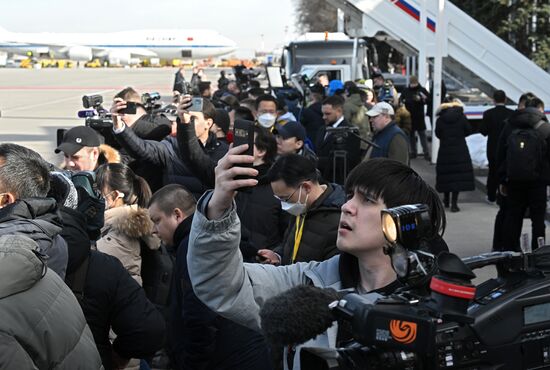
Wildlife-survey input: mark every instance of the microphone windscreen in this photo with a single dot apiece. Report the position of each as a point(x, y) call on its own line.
point(297, 315)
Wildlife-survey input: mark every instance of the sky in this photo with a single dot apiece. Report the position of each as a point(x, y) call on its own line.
point(243, 21)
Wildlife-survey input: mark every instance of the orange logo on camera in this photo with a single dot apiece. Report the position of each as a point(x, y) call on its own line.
point(403, 331)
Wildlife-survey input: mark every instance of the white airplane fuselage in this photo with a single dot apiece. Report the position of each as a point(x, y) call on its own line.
point(165, 44)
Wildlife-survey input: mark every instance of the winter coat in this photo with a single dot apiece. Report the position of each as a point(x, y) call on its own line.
point(237, 291)
point(356, 114)
point(493, 123)
point(200, 159)
point(522, 119)
point(392, 143)
point(111, 298)
point(41, 324)
point(415, 98)
point(320, 229)
point(125, 229)
point(263, 221)
point(198, 337)
point(312, 119)
point(454, 171)
point(38, 219)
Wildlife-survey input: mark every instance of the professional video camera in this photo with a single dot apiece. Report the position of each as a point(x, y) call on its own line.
point(95, 115)
point(439, 320)
point(151, 101)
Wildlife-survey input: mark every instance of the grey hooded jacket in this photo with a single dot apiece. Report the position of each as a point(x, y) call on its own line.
point(41, 323)
point(237, 291)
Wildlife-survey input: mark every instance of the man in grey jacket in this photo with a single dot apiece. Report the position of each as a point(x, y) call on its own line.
point(238, 291)
point(41, 325)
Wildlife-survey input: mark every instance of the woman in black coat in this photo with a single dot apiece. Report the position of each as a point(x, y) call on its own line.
point(454, 171)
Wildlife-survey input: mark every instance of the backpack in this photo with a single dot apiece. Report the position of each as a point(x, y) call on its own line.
point(157, 266)
point(386, 93)
point(525, 154)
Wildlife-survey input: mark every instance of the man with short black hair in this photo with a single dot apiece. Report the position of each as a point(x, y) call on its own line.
point(267, 108)
point(314, 209)
point(342, 146)
point(491, 126)
point(197, 336)
point(391, 140)
point(530, 133)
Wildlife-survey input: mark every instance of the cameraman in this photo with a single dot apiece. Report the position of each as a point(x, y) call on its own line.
point(237, 291)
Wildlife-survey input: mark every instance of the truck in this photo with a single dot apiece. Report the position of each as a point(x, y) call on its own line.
point(333, 54)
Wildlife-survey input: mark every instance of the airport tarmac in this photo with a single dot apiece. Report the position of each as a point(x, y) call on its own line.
point(35, 103)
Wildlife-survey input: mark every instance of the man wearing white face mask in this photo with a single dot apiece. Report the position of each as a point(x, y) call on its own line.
point(266, 108)
point(314, 209)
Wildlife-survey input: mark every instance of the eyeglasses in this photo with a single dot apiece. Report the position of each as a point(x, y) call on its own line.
point(290, 196)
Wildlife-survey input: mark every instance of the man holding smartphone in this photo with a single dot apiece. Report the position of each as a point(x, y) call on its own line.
point(165, 155)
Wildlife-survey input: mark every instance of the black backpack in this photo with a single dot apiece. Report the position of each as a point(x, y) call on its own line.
point(525, 154)
point(156, 273)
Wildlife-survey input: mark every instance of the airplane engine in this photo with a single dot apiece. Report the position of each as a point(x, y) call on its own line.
point(119, 58)
point(80, 53)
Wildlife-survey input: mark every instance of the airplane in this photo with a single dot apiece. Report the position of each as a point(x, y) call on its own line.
point(119, 47)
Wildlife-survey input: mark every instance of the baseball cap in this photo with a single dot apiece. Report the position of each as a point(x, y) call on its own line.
point(380, 108)
point(77, 138)
point(291, 129)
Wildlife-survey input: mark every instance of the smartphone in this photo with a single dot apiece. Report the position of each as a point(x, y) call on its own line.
point(196, 105)
point(131, 108)
point(243, 133)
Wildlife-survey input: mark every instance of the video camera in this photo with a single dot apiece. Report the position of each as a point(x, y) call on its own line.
point(439, 320)
point(95, 115)
point(150, 101)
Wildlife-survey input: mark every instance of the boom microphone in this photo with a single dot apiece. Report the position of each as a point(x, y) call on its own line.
point(298, 315)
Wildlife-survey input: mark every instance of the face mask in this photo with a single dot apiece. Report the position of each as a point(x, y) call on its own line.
point(295, 209)
point(267, 120)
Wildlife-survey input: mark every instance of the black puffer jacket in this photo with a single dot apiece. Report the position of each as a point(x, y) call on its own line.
point(320, 229)
point(525, 118)
point(263, 222)
point(454, 171)
point(111, 299)
point(38, 219)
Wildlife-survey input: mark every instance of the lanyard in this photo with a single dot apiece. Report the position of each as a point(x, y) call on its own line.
point(298, 235)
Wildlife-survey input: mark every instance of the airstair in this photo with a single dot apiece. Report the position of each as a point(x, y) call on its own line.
point(476, 54)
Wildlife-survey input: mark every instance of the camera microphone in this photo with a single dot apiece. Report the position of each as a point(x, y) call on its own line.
point(298, 315)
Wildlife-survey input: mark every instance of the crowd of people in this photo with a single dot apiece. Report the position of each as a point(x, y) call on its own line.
point(155, 243)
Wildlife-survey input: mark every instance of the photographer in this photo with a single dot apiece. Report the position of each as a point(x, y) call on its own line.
point(237, 291)
point(164, 155)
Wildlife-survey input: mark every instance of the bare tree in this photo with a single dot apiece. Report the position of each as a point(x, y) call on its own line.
point(315, 16)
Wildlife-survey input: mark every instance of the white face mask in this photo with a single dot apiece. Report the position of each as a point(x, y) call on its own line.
point(295, 209)
point(267, 120)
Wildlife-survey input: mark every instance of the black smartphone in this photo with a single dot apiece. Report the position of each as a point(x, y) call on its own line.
point(196, 105)
point(131, 108)
point(243, 133)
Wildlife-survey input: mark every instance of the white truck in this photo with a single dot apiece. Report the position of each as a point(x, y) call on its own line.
point(333, 54)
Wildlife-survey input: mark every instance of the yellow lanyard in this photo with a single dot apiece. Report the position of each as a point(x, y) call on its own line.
point(298, 235)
